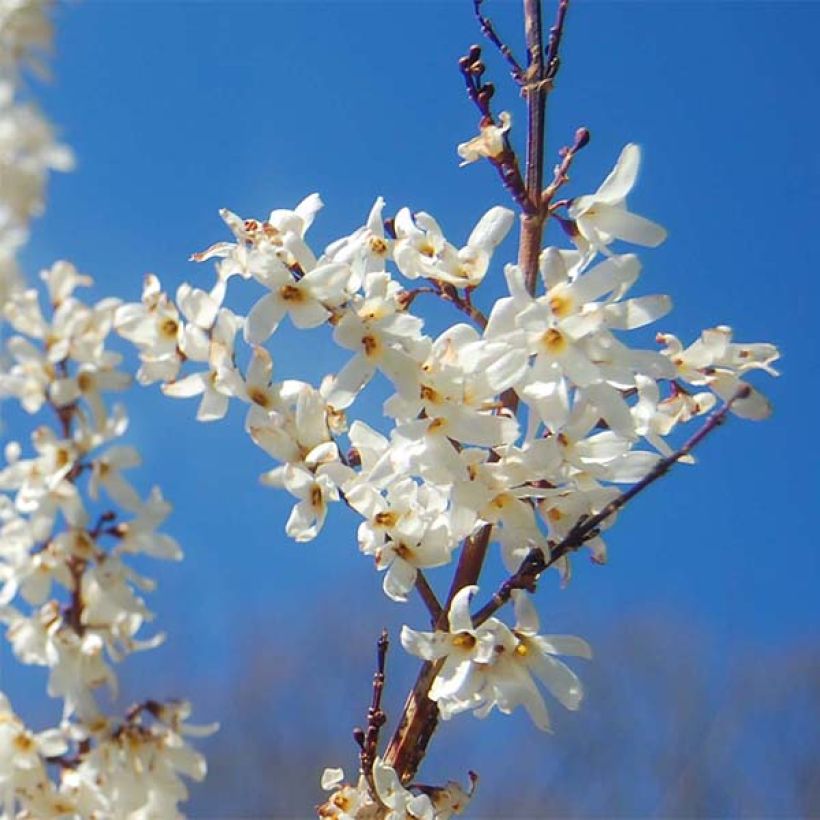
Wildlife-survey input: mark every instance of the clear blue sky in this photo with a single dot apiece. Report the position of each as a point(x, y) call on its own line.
point(177, 109)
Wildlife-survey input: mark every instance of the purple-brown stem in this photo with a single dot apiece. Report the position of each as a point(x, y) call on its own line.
point(488, 30)
point(561, 175)
point(526, 576)
point(429, 597)
point(368, 739)
point(450, 294)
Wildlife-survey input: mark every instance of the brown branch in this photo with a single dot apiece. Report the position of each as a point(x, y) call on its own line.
point(73, 613)
point(448, 293)
point(429, 597)
point(368, 741)
point(420, 715)
point(418, 722)
point(540, 80)
point(561, 173)
point(488, 30)
point(553, 60)
point(473, 552)
point(527, 575)
point(535, 92)
point(510, 174)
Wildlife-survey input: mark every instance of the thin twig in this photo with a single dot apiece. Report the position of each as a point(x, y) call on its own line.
point(509, 172)
point(506, 163)
point(448, 293)
point(561, 173)
point(553, 60)
point(368, 740)
point(488, 30)
point(472, 69)
point(526, 576)
point(429, 597)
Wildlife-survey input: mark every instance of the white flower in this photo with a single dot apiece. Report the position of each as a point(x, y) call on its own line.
point(523, 655)
point(217, 350)
point(402, 804)
point(492, 666)
point(421, 250)
point(366, 250)
point(405, 532)
point(465, 649)
point(602, 217)
point(490, 142)
point(155, 327)
point(717, 362)
point(314, 490)
point(383, 336)
point(304, 299)
point(24, 780)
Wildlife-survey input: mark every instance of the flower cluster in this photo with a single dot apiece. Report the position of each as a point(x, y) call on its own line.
point(28, 148)
point(385, 798)
point(492, 666)
point(514, 426)
point(69, 520)
point(510, 428)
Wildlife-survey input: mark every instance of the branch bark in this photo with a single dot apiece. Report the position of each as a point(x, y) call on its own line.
point(526, 576)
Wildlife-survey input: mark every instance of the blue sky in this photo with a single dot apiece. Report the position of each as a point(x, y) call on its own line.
point(177, 109)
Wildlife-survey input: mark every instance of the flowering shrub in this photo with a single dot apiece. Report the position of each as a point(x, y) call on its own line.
point(523, 427)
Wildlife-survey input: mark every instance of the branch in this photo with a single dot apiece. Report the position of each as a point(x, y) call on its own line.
point(506, 163)
point(488, 30)
point(429, 597)
point(368, 741)
point(535, 92)
point(527, 575)
point(561, 173)
point(420, 715)
point(540, 79)
point(556, 33)
point(448, 293)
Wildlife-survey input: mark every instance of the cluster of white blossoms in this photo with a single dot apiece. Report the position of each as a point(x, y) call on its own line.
point(509, 428)
point(28, 147)
point(385, 798)
point(519, 423)
point(69, 519)
point(70, 601)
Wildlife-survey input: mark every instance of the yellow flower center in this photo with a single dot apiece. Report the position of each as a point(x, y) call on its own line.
point(259, 396)
point(560, 305)
point(372, 346)
point(169, 328)
point(464, 640)
point(290, 293)
point(554, 341)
